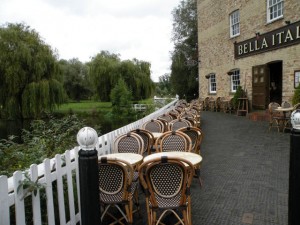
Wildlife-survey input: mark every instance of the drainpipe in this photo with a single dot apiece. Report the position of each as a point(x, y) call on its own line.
point(294, 178)
point(87, 138)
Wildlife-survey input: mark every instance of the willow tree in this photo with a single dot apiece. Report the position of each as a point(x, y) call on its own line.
point(104, 73)
point(106, 69)
point(28, 73)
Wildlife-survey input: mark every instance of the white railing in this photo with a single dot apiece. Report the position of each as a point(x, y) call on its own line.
point(58, 175)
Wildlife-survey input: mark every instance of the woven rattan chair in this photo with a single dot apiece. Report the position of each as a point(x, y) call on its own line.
point(166, 117)
point(287, 116)
point(148, 139)
point(297, 106)
point(171, 141)
point(196, 136)
point(276, 118)
point(179, 123)
point(129, 143)
point(167, 182)
point(174, 113)
point(117, 189)
point(153, 126)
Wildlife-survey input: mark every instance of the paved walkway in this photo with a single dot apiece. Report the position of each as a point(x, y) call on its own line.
point(244, 171)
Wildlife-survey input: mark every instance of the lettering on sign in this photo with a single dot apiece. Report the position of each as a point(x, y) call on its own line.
point(279, 38)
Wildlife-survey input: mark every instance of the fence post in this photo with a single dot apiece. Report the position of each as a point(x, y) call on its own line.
point(87, 138)
point(294, 178)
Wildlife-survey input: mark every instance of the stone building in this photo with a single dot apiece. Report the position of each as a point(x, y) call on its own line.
point(251, 43)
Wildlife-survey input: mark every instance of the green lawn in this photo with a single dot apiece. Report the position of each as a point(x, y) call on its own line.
point(84, 106)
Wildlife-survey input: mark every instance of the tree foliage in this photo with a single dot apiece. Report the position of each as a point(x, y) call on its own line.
point(121, 99)
point(163, 87)
point(44, 139)
point(105, 69)
point(75, 79)
point(28, 73)
point(184, 68)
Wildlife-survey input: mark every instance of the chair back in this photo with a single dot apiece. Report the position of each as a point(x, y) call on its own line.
point(173, 141)
point(179, 123)
point(196, 136)
point(153, 126)
point(271, 107)
point(116, 187)
point(129, 143)
point(148, 139)
point(297, 106)
point(286, 104)
point(166, 117)
point(115, 176)
point(168, 181)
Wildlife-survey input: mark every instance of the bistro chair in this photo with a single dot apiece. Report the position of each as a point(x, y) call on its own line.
point(117, 189)
point(167, 182)
point(276, 118)
point(179, 123)
point(153, 126)
point(297, 106)
point(174, 113)
point(173, 141)
point(148, 139)
point(196, 136)
point(166, 117)
point(129, 143)
point(287, 116)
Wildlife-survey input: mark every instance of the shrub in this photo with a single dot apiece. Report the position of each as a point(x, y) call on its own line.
point(296, 97)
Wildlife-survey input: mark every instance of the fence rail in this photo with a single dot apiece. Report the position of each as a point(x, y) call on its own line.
point(60, 179)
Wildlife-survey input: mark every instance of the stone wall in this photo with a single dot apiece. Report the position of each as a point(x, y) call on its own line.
point(216, 48)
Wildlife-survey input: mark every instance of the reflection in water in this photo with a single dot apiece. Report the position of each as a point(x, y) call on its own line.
point(13, 127)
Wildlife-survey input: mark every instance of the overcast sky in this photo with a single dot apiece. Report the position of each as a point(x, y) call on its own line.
point(80, 29)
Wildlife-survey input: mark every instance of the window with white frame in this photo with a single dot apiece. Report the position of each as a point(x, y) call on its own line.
point(235, 23)
point(235, 80)
point(212, 83)
point(275, 9)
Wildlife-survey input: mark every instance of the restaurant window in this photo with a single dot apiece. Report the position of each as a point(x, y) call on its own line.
point(212, 83)
point(275, 10)
point(235, 23)
point(235, 80)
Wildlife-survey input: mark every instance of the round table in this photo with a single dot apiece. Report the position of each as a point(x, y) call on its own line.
point(131, 158)
point(194, 158)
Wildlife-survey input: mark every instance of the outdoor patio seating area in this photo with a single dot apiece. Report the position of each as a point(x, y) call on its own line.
point(244, 174)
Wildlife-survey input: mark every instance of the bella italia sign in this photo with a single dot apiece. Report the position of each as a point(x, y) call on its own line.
point(279, 38)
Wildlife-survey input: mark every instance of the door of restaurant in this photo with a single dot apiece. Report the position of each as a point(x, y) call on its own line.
point(275, 93)
point(260, 86)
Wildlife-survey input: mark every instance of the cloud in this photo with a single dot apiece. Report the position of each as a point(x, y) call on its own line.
point(82, 28)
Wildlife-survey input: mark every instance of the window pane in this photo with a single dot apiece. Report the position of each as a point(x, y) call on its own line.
point(235, 80)
point(275, 9)
point(234, 23)
point(212, 83)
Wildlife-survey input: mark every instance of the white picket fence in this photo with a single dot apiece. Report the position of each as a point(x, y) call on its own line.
point(57, 175)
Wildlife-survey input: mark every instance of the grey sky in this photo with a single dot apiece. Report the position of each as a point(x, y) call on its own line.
point(82, 28)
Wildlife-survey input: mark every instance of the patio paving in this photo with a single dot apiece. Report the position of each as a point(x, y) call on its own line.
point(245, 172)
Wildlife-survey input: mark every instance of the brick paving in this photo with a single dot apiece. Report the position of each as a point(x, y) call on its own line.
point(245, 174)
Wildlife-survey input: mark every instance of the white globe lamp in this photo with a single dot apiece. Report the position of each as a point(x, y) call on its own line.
point(295, 119)
point(87, 138)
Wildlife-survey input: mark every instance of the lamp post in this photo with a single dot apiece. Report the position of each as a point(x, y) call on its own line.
point(87, 138)
point(294, 178)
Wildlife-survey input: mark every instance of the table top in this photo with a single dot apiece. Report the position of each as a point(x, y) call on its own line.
point(131, 158)
point(194, 158)
point(282, 109)
point(156, 134)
